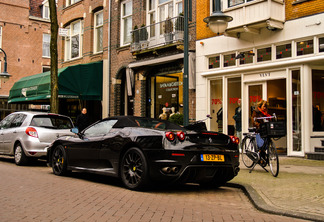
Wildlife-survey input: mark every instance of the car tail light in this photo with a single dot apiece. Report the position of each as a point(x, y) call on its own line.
point(181, 136)
point(235, 139)
point(170, 136)
point(30, 131)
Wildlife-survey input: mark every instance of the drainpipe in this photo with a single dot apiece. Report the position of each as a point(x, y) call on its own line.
point(109, 54)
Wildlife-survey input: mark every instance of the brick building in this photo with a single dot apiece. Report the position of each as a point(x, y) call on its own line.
point(24, 36)
point(272, 50)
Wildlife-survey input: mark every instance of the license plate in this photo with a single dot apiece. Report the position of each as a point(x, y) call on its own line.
point(212, 157)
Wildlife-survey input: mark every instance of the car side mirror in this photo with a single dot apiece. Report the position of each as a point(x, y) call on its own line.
point(75, 130)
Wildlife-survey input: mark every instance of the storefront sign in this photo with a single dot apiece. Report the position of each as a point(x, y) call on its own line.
point(170, 86)
point(255, 98)
point(216, 101)
point(267, 74)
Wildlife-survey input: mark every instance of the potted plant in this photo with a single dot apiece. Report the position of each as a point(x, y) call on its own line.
point(179, 27)
point(168, 29)
point(135, 39)
point(143, 36)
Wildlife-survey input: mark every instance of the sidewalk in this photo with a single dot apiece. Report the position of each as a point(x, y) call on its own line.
point(298, 191)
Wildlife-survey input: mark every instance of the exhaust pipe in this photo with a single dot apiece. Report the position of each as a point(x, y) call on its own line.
point(175, 169)
point(166, 170)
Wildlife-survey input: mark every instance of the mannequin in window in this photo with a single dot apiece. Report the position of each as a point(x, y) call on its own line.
point(164, 115)
point(237, 118)
point(172, 111)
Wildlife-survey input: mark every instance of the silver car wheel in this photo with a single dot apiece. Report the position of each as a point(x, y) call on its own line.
point(18, 153)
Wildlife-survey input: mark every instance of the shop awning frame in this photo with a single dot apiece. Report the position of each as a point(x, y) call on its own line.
point(83, 81)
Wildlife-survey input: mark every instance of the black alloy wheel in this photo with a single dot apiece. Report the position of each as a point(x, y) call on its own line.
point(134, 170)
point(59, 164)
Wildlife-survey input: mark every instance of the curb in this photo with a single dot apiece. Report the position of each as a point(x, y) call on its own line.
point(261, 205)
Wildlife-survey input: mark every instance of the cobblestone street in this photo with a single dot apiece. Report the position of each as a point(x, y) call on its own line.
point(33, 193)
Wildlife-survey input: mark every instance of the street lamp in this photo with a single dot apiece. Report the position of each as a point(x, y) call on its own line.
point(4, 74)
point(218, 21)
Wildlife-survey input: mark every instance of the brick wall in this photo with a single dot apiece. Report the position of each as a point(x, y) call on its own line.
point(304, 8)
point(35, 8)
point(22, 40)
point(203, 11)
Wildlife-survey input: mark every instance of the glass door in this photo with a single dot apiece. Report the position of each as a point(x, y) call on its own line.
point(256, 92)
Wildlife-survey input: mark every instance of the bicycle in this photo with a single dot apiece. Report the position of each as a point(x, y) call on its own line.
point(265, 155)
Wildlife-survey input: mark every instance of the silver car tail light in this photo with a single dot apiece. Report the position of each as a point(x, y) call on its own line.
point(30, 131)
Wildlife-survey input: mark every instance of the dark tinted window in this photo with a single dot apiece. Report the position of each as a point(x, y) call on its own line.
point(52, 121)
point(18, 120)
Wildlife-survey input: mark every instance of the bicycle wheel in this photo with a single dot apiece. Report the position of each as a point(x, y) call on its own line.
point(248, 147)
point(273, 159)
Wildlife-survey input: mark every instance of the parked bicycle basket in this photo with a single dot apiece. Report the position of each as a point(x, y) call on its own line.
point(273, 129)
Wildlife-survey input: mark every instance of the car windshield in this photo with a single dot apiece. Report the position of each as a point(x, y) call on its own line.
point(53, 122)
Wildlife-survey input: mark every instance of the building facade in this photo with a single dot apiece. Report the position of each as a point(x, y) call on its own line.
point(272, 50)
point(25, 37)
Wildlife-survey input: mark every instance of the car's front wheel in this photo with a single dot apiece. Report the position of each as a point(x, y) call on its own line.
point(133, 169)
point(59, 162)
point(20, 156)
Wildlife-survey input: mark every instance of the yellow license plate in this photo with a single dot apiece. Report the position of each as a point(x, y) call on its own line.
point(212, 157)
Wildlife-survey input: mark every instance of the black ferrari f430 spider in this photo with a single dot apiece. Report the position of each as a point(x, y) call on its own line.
point(141, 151)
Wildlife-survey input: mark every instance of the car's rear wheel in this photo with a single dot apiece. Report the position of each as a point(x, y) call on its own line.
point(59, 163)
point(20, 156)
point(133, 169)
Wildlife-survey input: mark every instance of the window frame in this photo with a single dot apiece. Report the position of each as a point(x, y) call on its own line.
point(44, 45)
point(123, 39)
point(95, 33)
point(68, 40)
point(71, 2)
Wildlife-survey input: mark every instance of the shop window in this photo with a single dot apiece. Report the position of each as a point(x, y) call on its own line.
point(264, 54)
point(318, 100)
point(168, 91)
point(305, 47)
point(234, 110)
point(214, 62)
point(248, 57)
point(229, 60)
point(216, 105)
point(321, 44)
point(283, 51)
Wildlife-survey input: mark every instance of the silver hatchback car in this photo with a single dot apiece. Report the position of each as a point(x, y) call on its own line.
point(27, 135)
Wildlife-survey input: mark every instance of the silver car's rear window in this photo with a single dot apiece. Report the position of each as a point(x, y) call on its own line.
point(53, 122)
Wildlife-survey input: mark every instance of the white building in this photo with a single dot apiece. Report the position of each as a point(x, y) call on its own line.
point(265, 57)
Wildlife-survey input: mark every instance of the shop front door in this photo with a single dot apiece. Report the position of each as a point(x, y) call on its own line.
point(274, 91)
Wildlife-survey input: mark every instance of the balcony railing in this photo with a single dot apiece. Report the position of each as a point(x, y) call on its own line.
point(162, 33)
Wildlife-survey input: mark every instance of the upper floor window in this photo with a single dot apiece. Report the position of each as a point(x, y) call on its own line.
point(264, 54)
point(321, 44)
point(98, 32)
point(46, 45)
point(70, 2)
point(237, 2)
point(283, 51)
point(45, 10)
point(229, 60)
point(247, 58)
point(214, 62)
point(305, 47)
point(126, 22)
point(73, 42)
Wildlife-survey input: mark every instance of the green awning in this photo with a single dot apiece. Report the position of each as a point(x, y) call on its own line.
point(83, 81)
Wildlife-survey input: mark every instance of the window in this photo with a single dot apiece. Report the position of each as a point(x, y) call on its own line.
point(264, 54)
point(305, 47)
point(98, 32)
point(321, 44)
point(318, 99)
point(216, 105)
point(126, 22)
point(248, 57)
point(19, 119)
point(283, 51)
point(46, 45)
point(100, 129)
point(73, 42)
point(229, 60)
point(70, 2)
point(0, 47)
point(45, 10)
point(232, 3)
point(46, 68)
point(214, 62)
